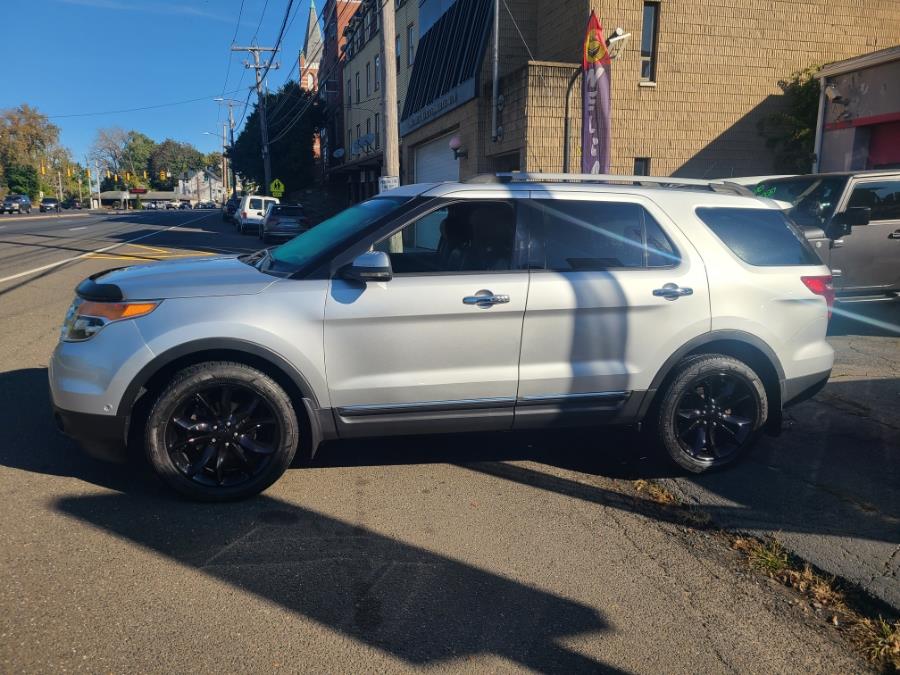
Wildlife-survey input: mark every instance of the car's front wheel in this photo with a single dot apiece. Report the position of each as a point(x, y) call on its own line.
point(711, 412)
point(221, 431)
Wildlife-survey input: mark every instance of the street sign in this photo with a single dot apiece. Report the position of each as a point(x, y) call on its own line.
point(388, 183)
point(276, 187)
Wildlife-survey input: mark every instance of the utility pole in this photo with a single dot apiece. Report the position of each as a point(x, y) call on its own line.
point(391, 167)
point(59, 183)
point(263, 125)
point(389, 59)
point(224, 160)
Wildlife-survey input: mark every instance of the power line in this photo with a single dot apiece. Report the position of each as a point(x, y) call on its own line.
point(146, 107)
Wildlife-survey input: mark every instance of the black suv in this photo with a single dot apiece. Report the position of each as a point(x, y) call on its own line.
point(16, 204)
point(229, 208)
point(49, 204)
point(853, 219)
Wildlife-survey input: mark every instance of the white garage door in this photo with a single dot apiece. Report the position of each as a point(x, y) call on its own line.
point(435, 163)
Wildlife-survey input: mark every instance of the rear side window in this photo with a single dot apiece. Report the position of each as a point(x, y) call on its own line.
point(288, 210)
point(255, 204)
point(761, 237)
point(570, 235)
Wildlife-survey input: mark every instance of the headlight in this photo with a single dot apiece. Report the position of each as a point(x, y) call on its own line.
point(86, 318)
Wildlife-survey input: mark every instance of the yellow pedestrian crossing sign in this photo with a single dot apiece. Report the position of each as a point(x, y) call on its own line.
point(276, 188)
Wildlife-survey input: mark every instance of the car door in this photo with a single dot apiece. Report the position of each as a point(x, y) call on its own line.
point(437, 346)
point(869, 257)
point(615, 290)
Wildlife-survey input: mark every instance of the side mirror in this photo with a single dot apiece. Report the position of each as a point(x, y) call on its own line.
point(370, 266)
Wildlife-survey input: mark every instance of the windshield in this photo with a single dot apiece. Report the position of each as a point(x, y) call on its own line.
point(306, 247)
point(814, 198)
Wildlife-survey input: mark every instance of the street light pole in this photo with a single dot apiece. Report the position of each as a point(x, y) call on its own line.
point(230, 103)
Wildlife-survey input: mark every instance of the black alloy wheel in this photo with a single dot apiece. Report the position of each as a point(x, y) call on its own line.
point(222, 435)
point(221, 431)
point(715, 416)
point(711, 412)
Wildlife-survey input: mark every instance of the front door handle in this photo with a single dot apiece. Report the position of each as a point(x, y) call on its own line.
point(485, 298)
point(672, 291)
point(894, 235)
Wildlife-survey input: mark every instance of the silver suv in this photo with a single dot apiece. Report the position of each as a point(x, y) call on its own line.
point(523, 301)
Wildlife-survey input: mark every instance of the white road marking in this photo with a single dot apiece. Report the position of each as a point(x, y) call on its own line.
point(75, 229)
point(99, 250)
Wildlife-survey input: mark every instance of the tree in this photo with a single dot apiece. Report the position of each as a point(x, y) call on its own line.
point(23, 180)
point(26, 136)
point(291, 140)
point(174, 158)
point(791, 132)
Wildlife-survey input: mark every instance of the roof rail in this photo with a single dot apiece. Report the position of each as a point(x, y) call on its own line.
point(615, 179)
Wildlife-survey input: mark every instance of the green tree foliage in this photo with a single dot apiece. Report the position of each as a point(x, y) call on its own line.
point(791, 132)
point(23, 180)
point(175, 158)
point(291, 140)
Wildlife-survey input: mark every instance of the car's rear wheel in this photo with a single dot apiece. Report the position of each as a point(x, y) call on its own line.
point(711, 412)
point(221, 431)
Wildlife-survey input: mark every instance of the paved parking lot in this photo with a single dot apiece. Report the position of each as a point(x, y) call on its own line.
point(492, 552)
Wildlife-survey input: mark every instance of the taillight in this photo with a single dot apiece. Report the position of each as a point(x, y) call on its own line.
point(243, 214)
point(821, 285)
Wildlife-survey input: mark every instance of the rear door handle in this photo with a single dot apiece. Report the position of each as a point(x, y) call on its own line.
point(672, 291)
point(485, 298)
point(894, 235)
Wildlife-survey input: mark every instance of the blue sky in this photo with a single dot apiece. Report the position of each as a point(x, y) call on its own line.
point(84, 56)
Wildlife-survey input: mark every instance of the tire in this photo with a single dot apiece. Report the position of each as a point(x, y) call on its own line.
point(711, 412)
point(192, 452)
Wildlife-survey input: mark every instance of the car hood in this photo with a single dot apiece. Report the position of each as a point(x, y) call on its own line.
point(185, 278)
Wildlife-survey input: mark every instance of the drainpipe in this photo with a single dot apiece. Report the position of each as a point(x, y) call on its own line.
point(496, 69)
point(572, 80)
point(820, 126)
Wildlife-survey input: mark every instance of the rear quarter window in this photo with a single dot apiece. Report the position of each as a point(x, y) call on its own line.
point(760, 237)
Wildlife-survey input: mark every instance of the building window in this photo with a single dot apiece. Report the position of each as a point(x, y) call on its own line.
point(377, 71)
point(649, 34)
point(358, 135)
point(377, 130)
point(397, 51)
point(641, 166)
point(349, 95)
point(368, 25)
point(358, 97)
point(368, 126)
point(410, 46)
point(368, 79)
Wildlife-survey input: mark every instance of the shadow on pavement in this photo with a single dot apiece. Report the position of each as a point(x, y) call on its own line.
point(880, 319)
point(415, 605)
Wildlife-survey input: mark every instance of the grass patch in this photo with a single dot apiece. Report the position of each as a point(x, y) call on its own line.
point(879, 640)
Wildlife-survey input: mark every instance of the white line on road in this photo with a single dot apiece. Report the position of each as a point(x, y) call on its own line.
point(75, 229)
point(99, 250)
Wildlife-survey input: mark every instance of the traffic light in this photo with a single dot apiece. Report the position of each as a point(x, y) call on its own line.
point(43, 169)
point(68, 172)
point(127, 175)
point(145, 174)
point(108, 174)
point(117, 178)
point(88, 173)
point(162, 174)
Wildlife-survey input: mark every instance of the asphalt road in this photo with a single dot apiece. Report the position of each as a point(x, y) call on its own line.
point(491, 552)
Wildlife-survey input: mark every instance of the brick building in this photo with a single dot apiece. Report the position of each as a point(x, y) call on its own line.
point(687, 93)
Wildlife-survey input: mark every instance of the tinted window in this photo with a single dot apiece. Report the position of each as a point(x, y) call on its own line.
point(814, 198)
point(882, 197)
point(288, 210)
point(585, 235)
point(462, 237)
point(762, 237)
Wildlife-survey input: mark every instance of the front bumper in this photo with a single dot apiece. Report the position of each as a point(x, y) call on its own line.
point(101, 436)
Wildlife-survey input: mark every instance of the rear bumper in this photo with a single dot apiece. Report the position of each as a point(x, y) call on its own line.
point(798, 389)
point(101, 436)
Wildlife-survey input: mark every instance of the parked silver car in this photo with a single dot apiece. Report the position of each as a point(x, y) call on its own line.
point(521, 302)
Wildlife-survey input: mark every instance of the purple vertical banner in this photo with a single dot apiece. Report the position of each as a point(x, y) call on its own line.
point(596, 134)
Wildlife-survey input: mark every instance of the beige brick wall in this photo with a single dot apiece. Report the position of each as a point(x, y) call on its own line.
point(718, 68)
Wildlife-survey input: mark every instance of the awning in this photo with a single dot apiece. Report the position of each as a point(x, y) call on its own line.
point(448, 60)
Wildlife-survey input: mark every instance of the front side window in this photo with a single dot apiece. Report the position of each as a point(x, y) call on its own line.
point(883, 197)
point(472, 236)
point(572, 236)
point(649, 34)
point(760, 237)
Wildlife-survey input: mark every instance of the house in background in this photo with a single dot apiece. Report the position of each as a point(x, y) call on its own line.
point(859, 113)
